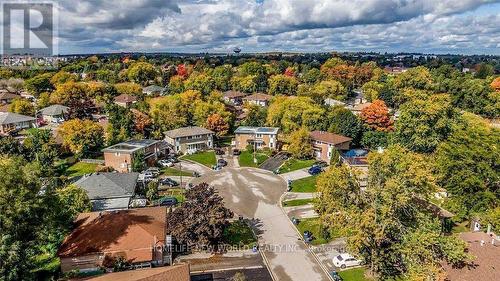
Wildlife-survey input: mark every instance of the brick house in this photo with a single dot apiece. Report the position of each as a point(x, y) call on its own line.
point(234, 97)
point(121, 156)
point(324, 143)
point(259, 137)
point(190, 139)
point(138, 235)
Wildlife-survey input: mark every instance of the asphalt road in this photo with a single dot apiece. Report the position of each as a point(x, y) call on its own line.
point(255, 194)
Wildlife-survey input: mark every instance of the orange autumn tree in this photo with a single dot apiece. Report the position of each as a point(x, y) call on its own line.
point(216, 123)
point(376, 116)
point(495, 85)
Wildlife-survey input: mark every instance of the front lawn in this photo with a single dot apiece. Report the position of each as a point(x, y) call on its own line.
point(305, 184)
point(169, 171)
point(293, 164)
point(297, 202)
point(314, 226)
point(206, 158)
point(81, 168)
point(355, 274)
point(246, 158)
point(239, 233)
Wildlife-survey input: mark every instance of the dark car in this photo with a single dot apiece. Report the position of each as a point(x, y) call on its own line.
point(168, 182)
point(172, 159)
point(219, 151)
point(308, 236)
point(168, 201)
point(315, 170)
point(321, 164)
point(335, 276)
point(221, 163)
point(236, 152)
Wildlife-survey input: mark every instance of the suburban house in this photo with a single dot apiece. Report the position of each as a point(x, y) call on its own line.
point(176, 272)
point(122, 155)
point(13, 122)
point(153, 90)
point(357, 108)
point(324, 143)
point(7, 97)
point(99, 238)
point(190, 139)
point(234, 97)
point(333, 102)
point(258, 99)
point(125, 100)
point(55, 113)
point(109, 191)
point(259, 137)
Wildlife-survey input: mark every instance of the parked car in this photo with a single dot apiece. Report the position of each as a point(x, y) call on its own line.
point(153, 170)
point(147, 175)
point(219, 151)
point(169, 182)
point(308, 236)
point(321, 164)
point(346, 260)
point(168, 201)
point(166, 163)
point(172, 159)
point(236, 152)
point(221, 163)
point(315, 170)
point(335, 276)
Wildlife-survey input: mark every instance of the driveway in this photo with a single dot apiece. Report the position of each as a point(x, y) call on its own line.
point(296, 175)
point(193, 167)
point(255, 194)
point(273, 163)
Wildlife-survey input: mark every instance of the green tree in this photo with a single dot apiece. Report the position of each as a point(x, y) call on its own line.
point(22, 106)
point(374, 139)
point(417, 78)
point(82, 137)
point(152, 191)
point(39, 84)
point(282, 85)
point(467, 166)
point(74, 201)
point(255, 116)
point(121, 124)
point(221, 76)
point(40, 146)
point(200, 82)
point(138, 164)
point(342, 121)
point(290, 114)
point(299, 144)
point(424, 123)
point(484, 70)
point(141, 73)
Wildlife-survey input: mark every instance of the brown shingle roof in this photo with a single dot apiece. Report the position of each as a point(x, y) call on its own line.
point(329, 137)
point(124, 98)
point(258, 97)
point(8, 96)
point(129, 233)
point(187, 131)
point(179, 272)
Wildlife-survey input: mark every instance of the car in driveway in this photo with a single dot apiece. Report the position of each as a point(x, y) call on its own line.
point(219, 151)
point(166, 163)
point(236, 152)
point(315, 170)
point(221, 163)
point(153, 171)
point(168, 201)
point(346, 260)
point(169, 182)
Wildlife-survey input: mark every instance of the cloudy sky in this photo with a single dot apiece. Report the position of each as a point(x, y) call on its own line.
point(428, 26)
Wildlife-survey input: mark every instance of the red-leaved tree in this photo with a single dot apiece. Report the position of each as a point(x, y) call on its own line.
point(376, 116)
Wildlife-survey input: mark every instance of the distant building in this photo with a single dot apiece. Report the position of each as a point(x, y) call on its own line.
point(258, 99)
point(395, 69)
point(12, 122)
point(189, 139)
point(259, 137)
point(153, 90)
point(121, 156)
point(324, 143)
point(137, 235)
point(55, 113)
point(125, 100)
point(7, 97)
point(234, 97)
point(109, 191)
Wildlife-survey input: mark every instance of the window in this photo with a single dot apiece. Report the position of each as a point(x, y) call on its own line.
point(117, 154)
point(259, 135)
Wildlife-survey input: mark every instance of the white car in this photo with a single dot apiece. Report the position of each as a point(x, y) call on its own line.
point(166, 163)
point(346, 260)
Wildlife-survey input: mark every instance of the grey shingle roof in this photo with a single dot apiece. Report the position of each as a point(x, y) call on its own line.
point(153, 88)
point(10, 118)
point(54, 110)
point(187, 131)
point(109, 185)
point(257, 130)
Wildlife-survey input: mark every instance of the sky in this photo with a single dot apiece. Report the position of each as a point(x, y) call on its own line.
point(425, 26)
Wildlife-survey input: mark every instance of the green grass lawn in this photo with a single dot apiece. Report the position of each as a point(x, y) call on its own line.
point(460, 227)
point(297, 202)
point(313, 225)
point(293, 164)
point(206, 158)
point(239, 233)
point(355, 274)
point(178, 193)
point(80, 169)
point(305, 184)
point(246, 158)
point(169, 171)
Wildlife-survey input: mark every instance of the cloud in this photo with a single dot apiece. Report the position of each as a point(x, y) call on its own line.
point(209, 25)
